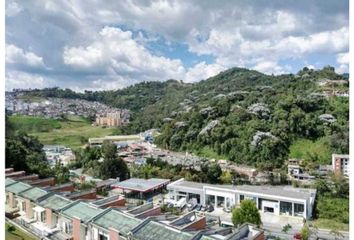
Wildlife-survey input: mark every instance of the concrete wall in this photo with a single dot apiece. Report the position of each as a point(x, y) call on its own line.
point(29, 210)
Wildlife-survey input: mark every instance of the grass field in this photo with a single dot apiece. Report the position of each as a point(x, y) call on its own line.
point(72, 132)
point(17, 234)
point(307, 149)
point(331, 224)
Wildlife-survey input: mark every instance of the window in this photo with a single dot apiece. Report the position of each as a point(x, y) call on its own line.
point(220, 201)
point(286, 208)
point(68, 227)
point(23, 206)
point(298, 209)
point(102, 237)
point(210, 199)
point(242, 197)
point(43, 216)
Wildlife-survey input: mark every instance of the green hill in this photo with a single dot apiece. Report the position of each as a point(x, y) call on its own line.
point(240, 114)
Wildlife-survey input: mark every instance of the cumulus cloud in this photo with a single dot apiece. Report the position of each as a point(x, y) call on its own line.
point(112, 45)
point(16, 55)
point(23, 80)
point(343, 61)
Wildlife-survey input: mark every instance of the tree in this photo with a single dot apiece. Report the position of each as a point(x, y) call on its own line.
point(246, 213)
point(214, 172)
point(286, 228)
point(113, 168)
point(109, 150)
point(226, 177)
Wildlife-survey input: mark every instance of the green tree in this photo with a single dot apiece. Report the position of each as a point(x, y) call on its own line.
point(246, 213)
point(113, 168)
point(226, 177)
point(214, 172)
point(109, 150)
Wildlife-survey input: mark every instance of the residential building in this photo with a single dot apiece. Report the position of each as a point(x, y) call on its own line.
point(340, 164)
point(279, 200)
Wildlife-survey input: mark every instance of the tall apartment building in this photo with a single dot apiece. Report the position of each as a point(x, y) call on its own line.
point(113, 119)
point(340, 163)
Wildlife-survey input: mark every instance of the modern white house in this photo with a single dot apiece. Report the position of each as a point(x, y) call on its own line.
point(279, 200)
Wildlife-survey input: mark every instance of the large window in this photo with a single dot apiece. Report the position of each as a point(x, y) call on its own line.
point(210, 199)
point(298, 209)
point(242, 197)
point(220, 201)
point(286, 208)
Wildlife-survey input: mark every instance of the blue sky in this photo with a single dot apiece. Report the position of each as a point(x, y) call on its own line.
point(94, 46)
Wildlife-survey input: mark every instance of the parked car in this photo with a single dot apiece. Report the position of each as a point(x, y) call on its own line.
point(192, 203)
point(210, 208)
point(227, 210)
point(181, 203)
point(203, 208)
point(198, 207)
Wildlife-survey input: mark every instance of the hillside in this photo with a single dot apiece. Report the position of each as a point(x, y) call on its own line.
point(243, 115)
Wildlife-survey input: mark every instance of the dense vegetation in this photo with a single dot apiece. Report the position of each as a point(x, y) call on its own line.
point(246, 213)
point(101, 162)
point(25, 153)
point(242, 115)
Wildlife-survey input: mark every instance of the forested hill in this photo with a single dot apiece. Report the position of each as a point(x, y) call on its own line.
point(240, 114)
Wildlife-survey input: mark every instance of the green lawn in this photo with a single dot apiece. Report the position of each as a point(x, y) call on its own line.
point(307, 149)
point(17, 234)
point(73, 132)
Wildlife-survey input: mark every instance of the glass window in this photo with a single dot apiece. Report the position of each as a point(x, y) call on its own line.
point(298, 209)
point(242, 197)
point(103, 237)
point(210, 199)
point(220, 201)
point(286, 208)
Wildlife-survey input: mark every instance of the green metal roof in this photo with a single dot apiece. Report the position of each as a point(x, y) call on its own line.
point(33, 193)
point(9, 181)
point(157, 231)
point(81, 210)
point(117, 220)
point(55, 202)
point(17, 187)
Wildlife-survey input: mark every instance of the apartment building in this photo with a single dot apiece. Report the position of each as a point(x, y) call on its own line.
point(340, 164)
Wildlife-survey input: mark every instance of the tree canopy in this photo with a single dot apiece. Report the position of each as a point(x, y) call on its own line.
point(246, 213)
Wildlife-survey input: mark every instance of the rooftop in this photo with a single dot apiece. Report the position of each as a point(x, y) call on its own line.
point(33, 193)
point(81, 210)
point(55, 202)
point(158, 231)
point(141, 185)
point(117, 220)
point(9, 181)
point(17, 187)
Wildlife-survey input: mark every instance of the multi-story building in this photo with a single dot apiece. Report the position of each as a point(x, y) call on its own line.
point(340, 164)
point(113, 119)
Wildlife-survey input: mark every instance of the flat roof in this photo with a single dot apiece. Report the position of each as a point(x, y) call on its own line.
point(55, 202)
point(141, 185)
point(81, 210)
point(279, 191)
point(33, 193)
point(117, 220)
point(9, 181)
point(158, 231)
point(18, 187)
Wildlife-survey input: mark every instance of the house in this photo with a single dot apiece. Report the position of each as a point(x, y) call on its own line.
point(278, 200)
point(73, 219)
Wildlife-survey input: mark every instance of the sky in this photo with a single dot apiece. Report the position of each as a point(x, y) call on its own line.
point(106, 45)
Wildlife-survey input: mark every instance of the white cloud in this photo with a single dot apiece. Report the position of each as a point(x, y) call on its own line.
point(343, 61)
point(16, 55)
point(202, 71)
point(12, 9)
point(23, 80)
point(269, 67)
